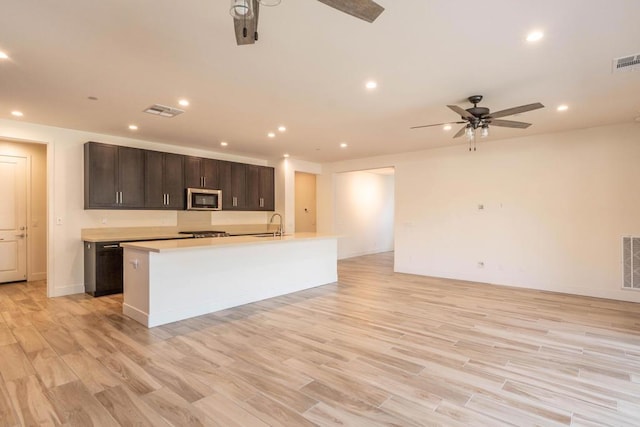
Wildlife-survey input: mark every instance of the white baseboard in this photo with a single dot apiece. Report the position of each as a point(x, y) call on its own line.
point(136, 314)
point(34, 277)
point(67, 290)
point(362, 253)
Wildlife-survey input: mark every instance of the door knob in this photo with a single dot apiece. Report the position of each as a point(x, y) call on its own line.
point(20, 235)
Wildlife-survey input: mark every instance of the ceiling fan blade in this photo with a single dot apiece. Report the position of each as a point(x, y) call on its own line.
point(437, 124)
point(463, 113)
point(367, 10)
point(460, 132)
point(510, 124)
point(251, 24)
point(516, 110)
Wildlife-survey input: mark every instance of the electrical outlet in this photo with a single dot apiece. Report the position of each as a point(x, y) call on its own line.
point(59, 221)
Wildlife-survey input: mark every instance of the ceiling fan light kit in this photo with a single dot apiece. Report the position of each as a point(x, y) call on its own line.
point(481, 117)
point(241, 9)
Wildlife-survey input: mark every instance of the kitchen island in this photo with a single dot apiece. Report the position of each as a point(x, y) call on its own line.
point(170, 280)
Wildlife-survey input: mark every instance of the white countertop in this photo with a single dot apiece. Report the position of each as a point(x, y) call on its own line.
point(176, 245)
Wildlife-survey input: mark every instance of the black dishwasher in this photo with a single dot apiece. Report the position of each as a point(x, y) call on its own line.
point(102, 268)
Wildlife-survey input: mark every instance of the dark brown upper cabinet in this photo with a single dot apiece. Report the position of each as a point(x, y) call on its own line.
point(164, 181)
point(117, 177)
point(201, 173)
point(233, 183)
point(260, 188)
point(113, 177)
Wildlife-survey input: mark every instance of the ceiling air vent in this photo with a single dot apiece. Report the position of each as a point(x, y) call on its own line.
point(163, 110)
point(628, 63)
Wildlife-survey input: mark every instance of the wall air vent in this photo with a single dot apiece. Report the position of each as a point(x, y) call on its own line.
point(631, 263)
point(163, 110)
point(627, 63)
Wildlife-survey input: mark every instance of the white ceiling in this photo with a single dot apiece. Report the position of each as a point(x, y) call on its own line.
point(309, 67)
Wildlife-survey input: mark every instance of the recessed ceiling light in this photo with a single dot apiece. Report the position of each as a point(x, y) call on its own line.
point(371, 84)
point(3, 55)
point(271, 135)
point(183, 102)
point(447, 127)
point(285, 155)
point(17, 113)
point(343, 145)
point(563, 107)
point(133, 127)
point(224, 143)
point(282, 128)
point(535, 36)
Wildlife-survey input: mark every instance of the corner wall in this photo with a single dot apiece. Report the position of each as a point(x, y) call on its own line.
point(364, 205)
point(555, 209)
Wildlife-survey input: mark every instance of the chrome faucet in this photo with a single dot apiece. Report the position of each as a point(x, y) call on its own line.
point(279, 231)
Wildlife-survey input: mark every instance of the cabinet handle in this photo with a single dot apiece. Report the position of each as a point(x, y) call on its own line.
point(121, 197)
point(168, 199)
point(111, 246)
point(261, 202)
point(235, 201)
point(204, 181)
point(117, 200)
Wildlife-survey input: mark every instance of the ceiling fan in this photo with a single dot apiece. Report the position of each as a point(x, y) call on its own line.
point(245, 14)
point(481, 117)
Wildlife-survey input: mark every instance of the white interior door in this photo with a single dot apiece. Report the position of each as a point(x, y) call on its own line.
point(13, 219)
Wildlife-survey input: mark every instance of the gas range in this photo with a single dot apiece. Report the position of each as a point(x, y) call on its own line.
point(206, 233)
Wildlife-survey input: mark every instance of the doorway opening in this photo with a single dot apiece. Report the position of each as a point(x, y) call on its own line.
point(23, 212)
point(364, 211)
point(305, 202)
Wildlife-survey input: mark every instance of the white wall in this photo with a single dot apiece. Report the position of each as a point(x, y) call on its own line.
point(65, 164)
point(364, 206)
point(36, 155)
point(285, 188)
point(555, 208)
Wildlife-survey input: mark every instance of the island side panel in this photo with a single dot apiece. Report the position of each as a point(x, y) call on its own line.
point(136, 285)
point(188, 283)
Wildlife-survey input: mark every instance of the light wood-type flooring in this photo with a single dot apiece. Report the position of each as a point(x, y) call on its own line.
point(377, 348)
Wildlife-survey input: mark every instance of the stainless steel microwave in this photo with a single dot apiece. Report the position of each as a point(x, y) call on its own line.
point(202, 199)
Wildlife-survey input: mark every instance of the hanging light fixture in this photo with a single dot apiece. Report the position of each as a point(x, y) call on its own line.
point(241, 9)
point(470, 132)
point(485, 130)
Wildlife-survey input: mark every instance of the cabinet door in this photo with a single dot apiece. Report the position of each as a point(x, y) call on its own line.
point(233, 185)
point(239, 185)
point(192, 173)
point(174, 181)
point(100, 175)
point(209, 170)
point(267, 188)
point(253, 188)
point(224, 176)
point(154, 195)
point(131, 177)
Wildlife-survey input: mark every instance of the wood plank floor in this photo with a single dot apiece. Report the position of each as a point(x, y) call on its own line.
point(378, 348)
